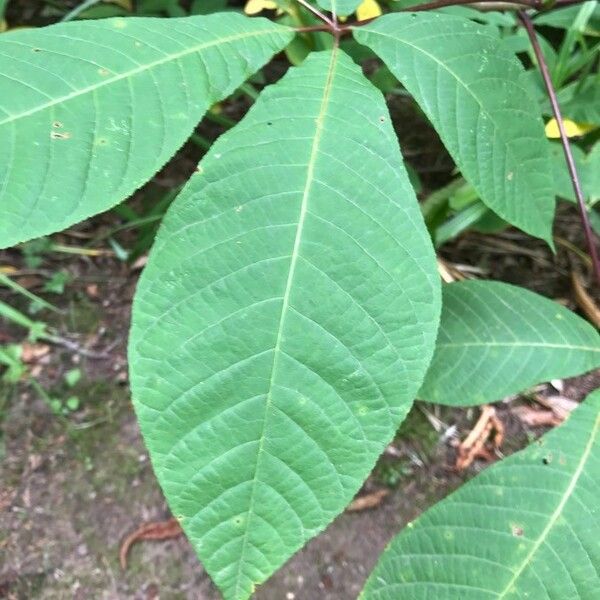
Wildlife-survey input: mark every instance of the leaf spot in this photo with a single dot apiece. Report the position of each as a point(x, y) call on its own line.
point(509, 176)
point(57, 124)
point(517, 531)
point(104, 72)
point(56, 135)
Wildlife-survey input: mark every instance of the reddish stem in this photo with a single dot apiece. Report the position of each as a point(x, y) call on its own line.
point(337, 30)
point(543, 67)
point(318, 14)
point(443, 3)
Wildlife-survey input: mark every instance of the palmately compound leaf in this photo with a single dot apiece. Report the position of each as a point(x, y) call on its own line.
point(339, 7)
point(527, 527)
point(497, 339)
point(472, 92)
point(90, 110)
point(284, 321)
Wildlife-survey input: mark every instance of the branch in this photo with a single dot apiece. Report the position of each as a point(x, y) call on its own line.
point(589, 236)
point(318, 14)
point(482, 4)
point(538, 5)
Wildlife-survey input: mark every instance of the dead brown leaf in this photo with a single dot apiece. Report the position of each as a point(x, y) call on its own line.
point(92, 290)
point(483, 440)
point(533, 417)
point(559, 405)
point(33, 352)
point(156, 530)
point(558, 408)
point(372, 500)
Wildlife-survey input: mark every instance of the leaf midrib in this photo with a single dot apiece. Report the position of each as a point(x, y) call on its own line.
point(133, 72)
point(286, 296)
point(557, 512)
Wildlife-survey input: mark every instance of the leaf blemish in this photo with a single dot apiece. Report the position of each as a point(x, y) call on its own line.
point(517, 531)
point(57, 124)
point(56, 135)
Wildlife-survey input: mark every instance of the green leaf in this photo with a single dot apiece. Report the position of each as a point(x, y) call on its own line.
point(527, 527)
point(580, 101)
point(497, 339)
point(342, 8)
point(91, 110)
point(563, 18)
point(284, 321)
point(472, 91)
point(10, 357)
point(588, 169)
point(72, 377)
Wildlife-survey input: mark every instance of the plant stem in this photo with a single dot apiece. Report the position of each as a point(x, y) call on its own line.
point(536, 4)
point(543, 67)
point(483, 3)
point(318, 14)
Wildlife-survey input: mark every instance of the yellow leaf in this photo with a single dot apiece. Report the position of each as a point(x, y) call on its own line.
point(572, 129)
point(255, 6)
point(3, 26)
point(368, 9)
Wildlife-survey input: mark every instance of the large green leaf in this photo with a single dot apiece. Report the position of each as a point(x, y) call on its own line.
point(91, 110)
point(471, 89)
point(339, 7)
point(496, 339)
point(284, 321)
point(528, 527)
